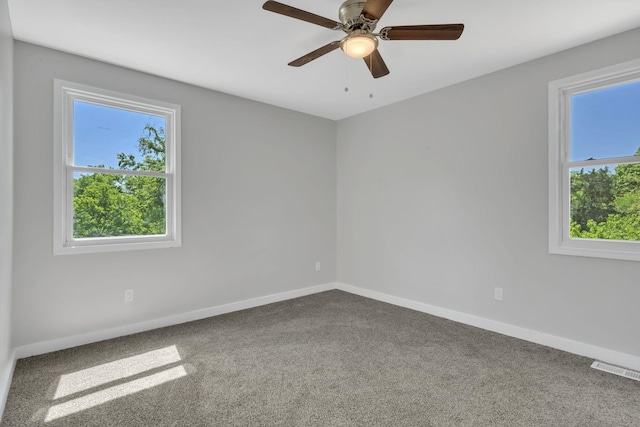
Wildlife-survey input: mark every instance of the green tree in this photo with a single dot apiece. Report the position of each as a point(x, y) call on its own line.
point(616, 227)
point(151, 146)
point(591, 195)
point(627, 188)
point(108, 205)
point(606, 205)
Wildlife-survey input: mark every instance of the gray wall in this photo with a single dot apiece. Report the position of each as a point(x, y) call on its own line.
point(6, 193)
point(447, 199)
point(259, 207)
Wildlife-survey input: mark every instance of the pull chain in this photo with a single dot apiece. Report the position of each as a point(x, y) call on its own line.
point(346, 74)
point(371, 82)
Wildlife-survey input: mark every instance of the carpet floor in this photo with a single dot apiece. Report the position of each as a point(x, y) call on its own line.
point(329, 359)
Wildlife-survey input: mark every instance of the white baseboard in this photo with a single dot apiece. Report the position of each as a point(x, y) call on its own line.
point(105, 334)
point(6, 373)
point(610, 356)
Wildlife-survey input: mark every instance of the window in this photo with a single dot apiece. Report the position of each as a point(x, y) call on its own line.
point(594, 163)
point(116, 171)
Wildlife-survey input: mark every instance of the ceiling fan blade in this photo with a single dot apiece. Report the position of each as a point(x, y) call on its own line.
point(374, 9)
point(283, 9)
point(376, 64)
point(315, 54)
point(423, 32)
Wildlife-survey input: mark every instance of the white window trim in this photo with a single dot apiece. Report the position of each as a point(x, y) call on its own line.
point(64, 93)
point(560, 92)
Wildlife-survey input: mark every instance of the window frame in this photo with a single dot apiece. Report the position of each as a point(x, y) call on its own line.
point(65, 93)
point(560, 93)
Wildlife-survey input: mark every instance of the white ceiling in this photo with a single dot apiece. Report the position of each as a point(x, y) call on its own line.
point(236, 47)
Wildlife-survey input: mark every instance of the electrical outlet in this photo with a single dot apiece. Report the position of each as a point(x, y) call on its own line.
point(497, 294)
point(128, 295)
point(317, 266)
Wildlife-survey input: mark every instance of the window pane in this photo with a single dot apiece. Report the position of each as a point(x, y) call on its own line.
point(605, 202)
point(118, 139)
point(605, 123)
point(106, 205)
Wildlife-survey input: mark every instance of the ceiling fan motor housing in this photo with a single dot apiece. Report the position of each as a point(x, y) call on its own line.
point(350, 10)
point(350, 14)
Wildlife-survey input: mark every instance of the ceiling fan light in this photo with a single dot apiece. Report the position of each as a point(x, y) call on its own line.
point(359, 45)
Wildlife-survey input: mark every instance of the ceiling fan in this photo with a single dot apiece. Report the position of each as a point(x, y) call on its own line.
point(358, 18)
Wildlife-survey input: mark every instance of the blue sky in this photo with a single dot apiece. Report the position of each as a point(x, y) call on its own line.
point(100, 133)
point(606, 123)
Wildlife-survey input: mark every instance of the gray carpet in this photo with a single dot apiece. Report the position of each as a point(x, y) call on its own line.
point(330, 359)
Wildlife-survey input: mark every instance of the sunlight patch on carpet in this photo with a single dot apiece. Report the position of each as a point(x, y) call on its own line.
point(100, 397)
point(123, 368)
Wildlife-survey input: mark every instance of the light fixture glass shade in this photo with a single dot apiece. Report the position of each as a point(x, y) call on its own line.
point(359, 45)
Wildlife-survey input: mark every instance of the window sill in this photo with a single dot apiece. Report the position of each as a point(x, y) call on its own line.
point(625, 251)
point(95, 247)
